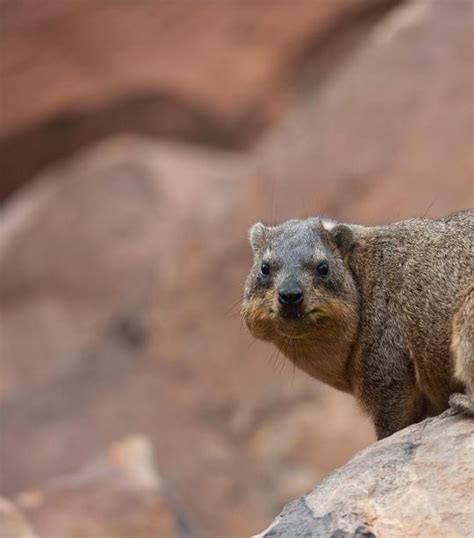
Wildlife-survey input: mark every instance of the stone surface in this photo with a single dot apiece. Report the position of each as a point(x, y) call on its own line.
point(419, 483)
point(75, 251)
point(391, 134)
point(151, 347)
point(118, 494)
point(12, 522)
point(211, 72)
point(148, 46)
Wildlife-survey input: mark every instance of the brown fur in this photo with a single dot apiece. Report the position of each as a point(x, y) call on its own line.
point(392, 323)
point(462, 347)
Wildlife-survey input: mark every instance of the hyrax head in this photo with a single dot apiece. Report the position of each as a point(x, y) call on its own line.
point(299, 284)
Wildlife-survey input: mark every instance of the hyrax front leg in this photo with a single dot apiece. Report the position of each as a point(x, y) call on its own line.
point(462, 347)
point(389, 392)
point(395, 410)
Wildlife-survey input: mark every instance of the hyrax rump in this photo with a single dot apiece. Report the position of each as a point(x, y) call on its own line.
point(383, 312)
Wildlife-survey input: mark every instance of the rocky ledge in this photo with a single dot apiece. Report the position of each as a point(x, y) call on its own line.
point(418, 482)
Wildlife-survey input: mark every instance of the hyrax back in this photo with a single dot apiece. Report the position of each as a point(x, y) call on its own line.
point(383, 312)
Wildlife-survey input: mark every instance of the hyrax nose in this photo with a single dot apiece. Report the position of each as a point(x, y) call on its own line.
point(290, 294)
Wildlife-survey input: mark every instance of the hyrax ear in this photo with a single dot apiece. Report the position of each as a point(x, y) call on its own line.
point(258, 235)
point(343, 237)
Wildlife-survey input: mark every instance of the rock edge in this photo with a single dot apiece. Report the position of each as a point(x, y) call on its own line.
point(418, 482)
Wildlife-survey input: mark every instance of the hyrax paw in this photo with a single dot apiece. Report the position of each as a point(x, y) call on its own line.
point(461, 403)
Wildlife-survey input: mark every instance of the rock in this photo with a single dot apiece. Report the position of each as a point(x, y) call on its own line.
point(157, 68)
point(12, 522)
point(148, 46)
point(390, 134)
point(118, 494)
point(122, 269)
point(84, 241)
point(141, 275)
point(419, 482)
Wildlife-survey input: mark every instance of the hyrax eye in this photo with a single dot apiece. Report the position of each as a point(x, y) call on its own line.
point(265, 269)
point(322, 269)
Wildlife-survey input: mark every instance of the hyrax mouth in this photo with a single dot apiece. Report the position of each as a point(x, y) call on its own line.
point(290, 314)
point(301, 325)
point(312, 314)
point(266, 320)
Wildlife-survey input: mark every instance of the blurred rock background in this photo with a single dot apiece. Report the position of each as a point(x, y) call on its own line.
point(138, 142)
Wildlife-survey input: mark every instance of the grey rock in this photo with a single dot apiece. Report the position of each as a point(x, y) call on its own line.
point(418, 482)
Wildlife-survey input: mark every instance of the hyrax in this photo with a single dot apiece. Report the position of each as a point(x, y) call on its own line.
point(383, 312)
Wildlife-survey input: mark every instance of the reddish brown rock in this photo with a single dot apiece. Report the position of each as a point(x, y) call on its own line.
point(210, 72)
point(74, 55)
point(76, 251)
point(158, 347)
point(391, 134)
point(119, 494)
point(12, 522)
